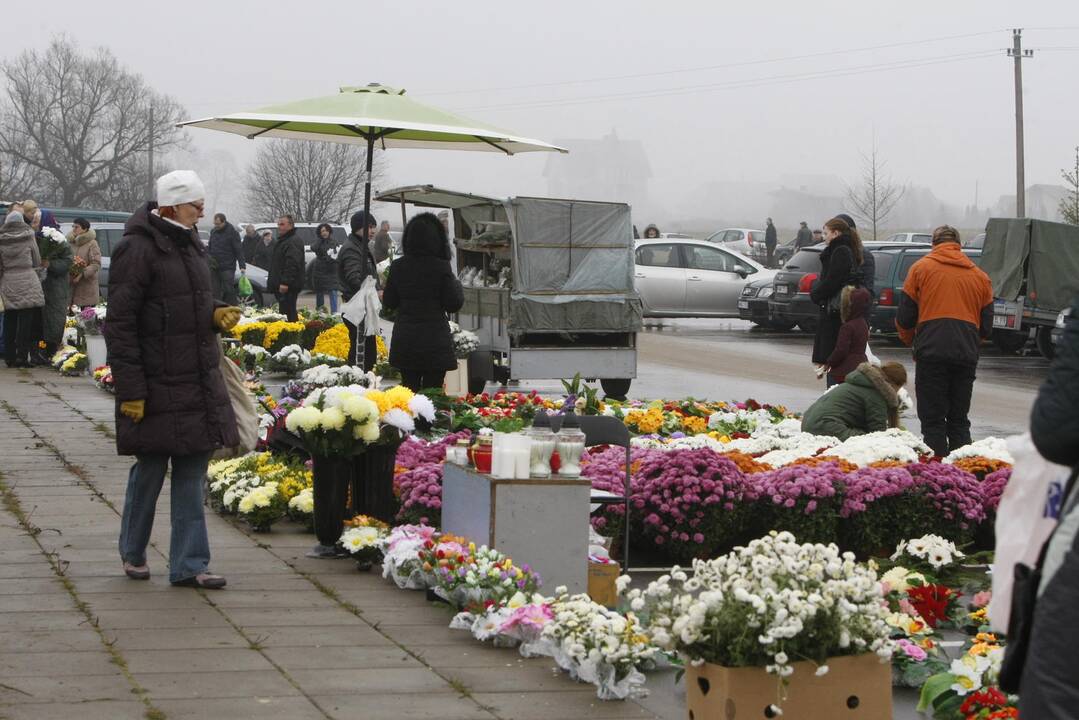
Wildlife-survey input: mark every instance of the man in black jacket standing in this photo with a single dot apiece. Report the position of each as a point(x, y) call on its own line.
point(770, 242)
point(354, 265)
point(226, 251)
point(285, 276)
point(250, 243)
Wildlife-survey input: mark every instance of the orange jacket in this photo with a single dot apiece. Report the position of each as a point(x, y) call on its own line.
point(946, 306)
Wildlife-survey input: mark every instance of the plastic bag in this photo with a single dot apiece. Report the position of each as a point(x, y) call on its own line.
point(243, 409)
point(1029, 510)
point(243, 287)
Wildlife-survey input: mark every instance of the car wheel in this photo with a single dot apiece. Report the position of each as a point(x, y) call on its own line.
point(1044, 341)
point(1010, 342)
point(809, 326)
point(615, 389)
point(781, 325)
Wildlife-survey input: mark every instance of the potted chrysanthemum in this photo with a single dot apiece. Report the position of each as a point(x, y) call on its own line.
point(364, 539)
point(774, 623)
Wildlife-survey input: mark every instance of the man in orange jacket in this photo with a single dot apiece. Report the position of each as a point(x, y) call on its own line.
point(945, 309)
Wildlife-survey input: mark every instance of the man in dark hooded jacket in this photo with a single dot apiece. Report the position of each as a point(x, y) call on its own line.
point(1050, 685)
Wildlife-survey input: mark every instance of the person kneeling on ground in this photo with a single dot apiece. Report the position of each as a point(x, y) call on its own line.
point(867, 401)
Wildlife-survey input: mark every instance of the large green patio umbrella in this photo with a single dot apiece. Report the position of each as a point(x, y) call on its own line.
point(375, 116)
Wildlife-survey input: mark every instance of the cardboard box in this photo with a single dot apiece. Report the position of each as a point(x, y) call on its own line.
point(858, 687)
point(601, 587)
point(456, 384)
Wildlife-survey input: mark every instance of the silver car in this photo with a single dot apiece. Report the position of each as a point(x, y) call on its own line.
point(744, 241)
point(692, 278)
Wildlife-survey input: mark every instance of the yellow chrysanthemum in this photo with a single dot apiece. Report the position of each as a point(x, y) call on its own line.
point(398, 397)
point(274, 330)
point(333, 342)
point(380, 345)
point(379, 398)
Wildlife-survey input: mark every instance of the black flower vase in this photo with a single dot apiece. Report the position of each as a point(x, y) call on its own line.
point(330, 478)
point(372, 483)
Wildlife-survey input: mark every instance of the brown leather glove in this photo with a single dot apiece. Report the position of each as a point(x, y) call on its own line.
point(134, 409)
point(225, 318)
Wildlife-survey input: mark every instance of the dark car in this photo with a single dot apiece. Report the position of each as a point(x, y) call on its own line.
point(893, 266)
point(753, 305)
point(790, 301)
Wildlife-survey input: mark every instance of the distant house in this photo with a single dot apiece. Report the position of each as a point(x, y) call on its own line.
point(609, 169)
point(1043, 203)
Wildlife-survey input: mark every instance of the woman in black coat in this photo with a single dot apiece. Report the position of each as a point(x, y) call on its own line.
point(422, 288)
point(840, 262)
point(324, 272)
point(172, 404)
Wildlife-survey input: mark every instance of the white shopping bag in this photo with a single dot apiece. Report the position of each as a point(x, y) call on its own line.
point(870, 357)
point(1029, 510)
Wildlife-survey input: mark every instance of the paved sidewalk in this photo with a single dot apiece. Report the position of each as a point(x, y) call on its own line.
point(289, 638)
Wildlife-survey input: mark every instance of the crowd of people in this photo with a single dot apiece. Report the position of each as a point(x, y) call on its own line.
point(40, 280)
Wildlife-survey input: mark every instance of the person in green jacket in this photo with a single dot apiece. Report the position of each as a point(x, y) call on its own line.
point(867, 401)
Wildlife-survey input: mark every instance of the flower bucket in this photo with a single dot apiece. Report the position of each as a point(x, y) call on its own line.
point(96, 353)
point(330, 478)
point(372, 483)
point(856, 686)
point(457, 380)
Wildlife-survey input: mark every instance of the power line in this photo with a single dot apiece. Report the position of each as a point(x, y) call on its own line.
point(746, 63)
point(757, 82)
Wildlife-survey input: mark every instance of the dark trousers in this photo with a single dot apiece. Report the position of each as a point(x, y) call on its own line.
point(771, 254)
point(416, 380)
point(225, 286)
point(362, 350)
point(286, 304)
point(19, 334)
point(943, 390)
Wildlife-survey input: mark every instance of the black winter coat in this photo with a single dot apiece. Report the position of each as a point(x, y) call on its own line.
point(837, 264)
point(286, 263)
point(324, 272)
point(250, 245)
point(226, 248)
point(162, 344)
point(262, 256)
point(1054, 422)
point(422, 288)
point(354, 264)
point(770, 235)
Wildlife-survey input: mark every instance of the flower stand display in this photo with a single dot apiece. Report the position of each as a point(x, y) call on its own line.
point(856, 686)
point(372, 483)
point(543, 519)
point(330, 480)
point(96, 352)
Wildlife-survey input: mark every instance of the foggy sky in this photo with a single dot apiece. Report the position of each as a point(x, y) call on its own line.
point(946, 125)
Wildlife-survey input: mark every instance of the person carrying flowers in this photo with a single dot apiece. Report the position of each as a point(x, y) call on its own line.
point(85, 266)
point(172, 406)
point(867, 401)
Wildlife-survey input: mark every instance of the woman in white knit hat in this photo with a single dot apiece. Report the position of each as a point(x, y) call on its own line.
point(172, 406)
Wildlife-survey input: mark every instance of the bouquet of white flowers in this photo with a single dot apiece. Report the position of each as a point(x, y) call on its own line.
point(464, 341)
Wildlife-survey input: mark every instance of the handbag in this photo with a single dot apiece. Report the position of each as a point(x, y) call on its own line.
point(1021, 619)
point(835, 302)
point(243, 408)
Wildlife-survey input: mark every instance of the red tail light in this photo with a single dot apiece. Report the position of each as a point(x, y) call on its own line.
point(806, 283)
point(749, 239)
point(887, 296)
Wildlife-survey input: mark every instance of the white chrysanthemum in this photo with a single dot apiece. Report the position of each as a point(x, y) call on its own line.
point(370, 432)
point(303, 501)
point(399, 419)
point(421, 406)
point(360, 538)
point(332, 419)
point(360, 409)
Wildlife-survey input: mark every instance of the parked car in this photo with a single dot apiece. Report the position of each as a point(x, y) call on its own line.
point(909, 237)
point(790, 301)
point(744, 241)
point(893, 266)
point(306, 232)
point(68, 215)
point(978, 241)
point(753, 305)
point(691, 278)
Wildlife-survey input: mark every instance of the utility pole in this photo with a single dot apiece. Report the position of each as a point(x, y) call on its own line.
point(1018, 53)
point(150, 157)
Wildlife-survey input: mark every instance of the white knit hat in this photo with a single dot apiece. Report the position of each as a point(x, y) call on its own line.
point(179, 187)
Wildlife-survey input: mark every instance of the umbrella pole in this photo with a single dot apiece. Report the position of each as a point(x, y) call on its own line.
point(367, 181)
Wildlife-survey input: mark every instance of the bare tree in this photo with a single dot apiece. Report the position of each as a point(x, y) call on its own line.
point(1069, 204)
point(83, 124)
point(875, 196)
point(314, 181)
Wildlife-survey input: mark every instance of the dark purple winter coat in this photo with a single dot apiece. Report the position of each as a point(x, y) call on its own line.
point(162, 344)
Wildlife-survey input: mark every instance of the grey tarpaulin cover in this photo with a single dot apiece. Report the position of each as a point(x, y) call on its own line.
point(573, 266)
point(1050, 251)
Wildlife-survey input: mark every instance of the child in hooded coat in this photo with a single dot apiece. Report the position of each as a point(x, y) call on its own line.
point(850, 346)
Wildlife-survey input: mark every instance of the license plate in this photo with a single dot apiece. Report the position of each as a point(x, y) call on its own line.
point(1004, 321)
point(782, 290)
point(743, 304)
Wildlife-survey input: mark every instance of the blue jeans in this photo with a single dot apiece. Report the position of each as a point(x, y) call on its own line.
point(189, 546)
point(320, 295)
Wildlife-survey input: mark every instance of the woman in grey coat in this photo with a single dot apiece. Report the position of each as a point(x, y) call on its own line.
point(20, 288)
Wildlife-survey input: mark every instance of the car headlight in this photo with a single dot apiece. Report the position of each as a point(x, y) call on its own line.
point(749, 291)
point(765, 292)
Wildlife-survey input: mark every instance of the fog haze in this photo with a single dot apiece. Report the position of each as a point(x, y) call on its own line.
point(721, 120)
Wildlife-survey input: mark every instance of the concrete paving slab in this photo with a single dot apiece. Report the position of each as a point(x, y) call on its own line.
point(30, 587)
point(195, 685)
point(49, 689)
point(50, 641)
point(104, 602)
point(561, 706)
point(97, 710)
point(132, 639)
point(271, 636)
point(58, 599)
point(167, 618)
point(342, 658)
point(361, 682)
point(202, 660)
point(253, 617)
point(56, 664)
point(381, 706)
point(476, 655)
point(274, 599)
point(258, 708)
point(432, 615)
point(53, 620)
point(533, 678)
